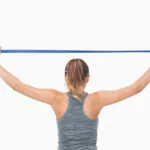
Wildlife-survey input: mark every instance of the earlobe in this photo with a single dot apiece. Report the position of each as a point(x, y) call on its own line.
point(65, 73)
point(87, 79)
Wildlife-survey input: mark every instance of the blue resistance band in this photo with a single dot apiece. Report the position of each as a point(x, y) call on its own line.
point(72, 51)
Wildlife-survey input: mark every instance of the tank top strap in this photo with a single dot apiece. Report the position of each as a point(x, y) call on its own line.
point(68, 93)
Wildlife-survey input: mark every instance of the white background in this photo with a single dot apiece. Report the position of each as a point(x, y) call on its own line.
point(66, 24)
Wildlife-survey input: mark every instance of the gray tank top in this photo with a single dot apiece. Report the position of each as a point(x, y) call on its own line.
point(76, 131)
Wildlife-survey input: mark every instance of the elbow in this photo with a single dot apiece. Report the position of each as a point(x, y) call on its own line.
point(136, 89)
point(15, 87)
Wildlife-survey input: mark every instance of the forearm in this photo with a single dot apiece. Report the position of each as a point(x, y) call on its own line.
point(6, 76)
point(143, 81)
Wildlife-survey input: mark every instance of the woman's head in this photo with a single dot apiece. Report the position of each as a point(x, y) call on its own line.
point(76, 76)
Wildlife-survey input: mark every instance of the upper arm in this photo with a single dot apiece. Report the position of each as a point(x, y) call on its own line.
point(45, 95)
point(113, 96)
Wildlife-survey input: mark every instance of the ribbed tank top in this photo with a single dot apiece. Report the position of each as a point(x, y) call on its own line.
point(76, 131)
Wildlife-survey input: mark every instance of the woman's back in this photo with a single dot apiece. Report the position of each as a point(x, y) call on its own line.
point(77, 130)
point(77, 122)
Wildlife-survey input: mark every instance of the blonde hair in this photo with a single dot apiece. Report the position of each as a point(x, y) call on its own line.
point(76, 71)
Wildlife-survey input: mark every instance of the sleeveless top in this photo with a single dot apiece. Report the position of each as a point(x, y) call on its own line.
point(76, 131)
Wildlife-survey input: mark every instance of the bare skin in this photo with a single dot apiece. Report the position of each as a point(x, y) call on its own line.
point(59, 101)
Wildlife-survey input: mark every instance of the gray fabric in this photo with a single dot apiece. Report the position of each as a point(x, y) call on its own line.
point(75, 130)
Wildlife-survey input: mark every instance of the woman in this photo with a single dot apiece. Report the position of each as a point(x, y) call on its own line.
point(76, 110)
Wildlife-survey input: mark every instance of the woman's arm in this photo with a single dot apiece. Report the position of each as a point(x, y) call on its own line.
point(107, 97)
point(44, 95)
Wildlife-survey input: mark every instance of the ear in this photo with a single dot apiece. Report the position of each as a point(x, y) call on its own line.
point(87, 78)
point(65, 73)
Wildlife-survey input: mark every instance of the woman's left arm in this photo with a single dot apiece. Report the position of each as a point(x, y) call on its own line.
point(44, 95)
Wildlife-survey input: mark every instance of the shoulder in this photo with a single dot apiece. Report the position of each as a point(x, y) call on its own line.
point(57, 93)
point(59, 96)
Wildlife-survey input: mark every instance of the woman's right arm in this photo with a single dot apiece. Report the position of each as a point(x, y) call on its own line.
point(112, 96)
